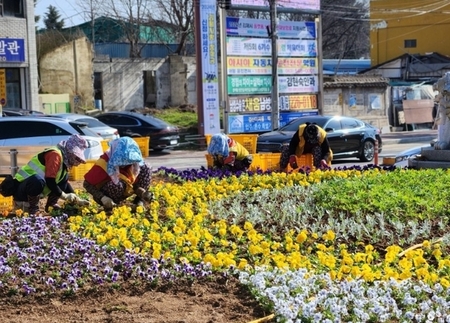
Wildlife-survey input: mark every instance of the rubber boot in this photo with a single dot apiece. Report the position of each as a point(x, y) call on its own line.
point(33, 202)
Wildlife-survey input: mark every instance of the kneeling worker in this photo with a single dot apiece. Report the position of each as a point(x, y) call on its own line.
point(228, 154)
point(308, 139)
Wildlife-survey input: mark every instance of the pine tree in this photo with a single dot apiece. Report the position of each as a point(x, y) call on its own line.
point(52, 19)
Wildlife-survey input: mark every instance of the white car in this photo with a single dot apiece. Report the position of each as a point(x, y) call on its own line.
point(29, 135)
point(102, 129)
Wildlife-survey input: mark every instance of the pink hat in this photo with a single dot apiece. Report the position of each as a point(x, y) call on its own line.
point(75, 145)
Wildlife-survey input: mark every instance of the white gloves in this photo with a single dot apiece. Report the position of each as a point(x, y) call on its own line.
point(70, 197)
point(73, 198)
point(107, 202)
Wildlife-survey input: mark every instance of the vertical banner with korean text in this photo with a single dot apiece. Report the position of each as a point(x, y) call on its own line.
point(210, 80)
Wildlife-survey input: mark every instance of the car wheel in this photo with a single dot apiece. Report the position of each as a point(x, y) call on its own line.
point(368, 151)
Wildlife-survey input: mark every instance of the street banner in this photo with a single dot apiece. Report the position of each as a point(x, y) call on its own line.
point(261, 84)
point(254, 103)
point(297, 102)
point(210, 81)
point(290, 48)
point(258, 28)
point(249, 65)
point(263, 103)
point(12, 50)
point(2, 87)
point(261, 122)
point(298, 84)
point(294, 66)
point(247, 46)
point(291, 4)
point(263, 66)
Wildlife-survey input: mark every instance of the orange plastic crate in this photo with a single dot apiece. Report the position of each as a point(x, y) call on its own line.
point(247, 140)
point(268, 161)
point(6, 203)
point(253, 166)
point(271, 161)
point(209, 160)
point(144, 145)
point(77, 173)
point(105, 145)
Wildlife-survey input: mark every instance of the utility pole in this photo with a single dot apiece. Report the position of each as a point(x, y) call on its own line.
point(274, 36)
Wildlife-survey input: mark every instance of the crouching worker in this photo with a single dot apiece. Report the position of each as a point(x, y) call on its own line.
point(228, 154)
point(118, 174)
point(308, 139)
point(47, 174)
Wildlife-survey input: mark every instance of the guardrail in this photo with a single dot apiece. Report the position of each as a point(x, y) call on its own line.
point(12, 158)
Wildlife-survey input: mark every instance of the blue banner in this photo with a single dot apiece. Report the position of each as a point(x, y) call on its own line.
point(247, 123)
point(12, 50)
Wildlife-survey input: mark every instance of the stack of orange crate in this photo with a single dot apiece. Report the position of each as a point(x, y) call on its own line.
point(6, 203)
point(271, 161)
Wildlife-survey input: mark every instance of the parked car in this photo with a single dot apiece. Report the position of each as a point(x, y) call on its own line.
point(7, 112)
point(28, 135)
point(401, 159)
point(348, 137)
point(103, 130)
point(134, 124)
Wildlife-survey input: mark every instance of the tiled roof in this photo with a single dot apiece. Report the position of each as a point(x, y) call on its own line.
point(356, 80)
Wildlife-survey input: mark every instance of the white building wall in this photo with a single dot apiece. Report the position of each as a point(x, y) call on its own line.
point(24, 28)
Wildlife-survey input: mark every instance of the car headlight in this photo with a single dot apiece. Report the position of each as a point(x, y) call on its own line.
point(401, 158)
point(92, 143)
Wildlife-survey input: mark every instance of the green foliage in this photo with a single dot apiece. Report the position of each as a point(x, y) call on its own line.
point(399, 207)
point(52, 19)
point(177, 117)
point(415, 194)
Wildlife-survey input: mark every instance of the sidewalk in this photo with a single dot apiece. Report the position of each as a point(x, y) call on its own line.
point(404, 137)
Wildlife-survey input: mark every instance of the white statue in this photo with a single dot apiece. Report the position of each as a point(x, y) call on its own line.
point(443, 113)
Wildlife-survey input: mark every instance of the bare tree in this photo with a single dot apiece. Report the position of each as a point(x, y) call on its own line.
point(131, 16)
point(174, 20)
point(91, 9)
point(345, 29)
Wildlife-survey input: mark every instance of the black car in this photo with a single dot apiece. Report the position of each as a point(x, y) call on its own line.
point(348, 137)
point(134, 124)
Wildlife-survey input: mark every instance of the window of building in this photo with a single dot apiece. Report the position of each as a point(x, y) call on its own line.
point(11, 8)
point(410, 43)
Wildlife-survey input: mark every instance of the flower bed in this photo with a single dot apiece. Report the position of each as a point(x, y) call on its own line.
point(312, 246)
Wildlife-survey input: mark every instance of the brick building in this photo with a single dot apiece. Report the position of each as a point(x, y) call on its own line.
point(18, 61)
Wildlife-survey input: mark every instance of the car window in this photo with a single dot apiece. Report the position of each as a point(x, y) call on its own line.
point(21, 129)
point(348, 123)
point(294, 124)
point(127, 121)
point(155, 122)
point(82, 129)
point(333, 124)
point(92, 123)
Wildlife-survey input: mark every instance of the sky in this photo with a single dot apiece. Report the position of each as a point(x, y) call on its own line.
point(68, 9)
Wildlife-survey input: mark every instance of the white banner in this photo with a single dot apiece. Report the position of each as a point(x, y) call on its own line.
point(258, 27)
point(292, 4)
point(210, 81)
point(245, 46)
point(298, 84)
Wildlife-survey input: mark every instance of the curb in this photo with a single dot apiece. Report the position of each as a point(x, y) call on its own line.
point(418, 139)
